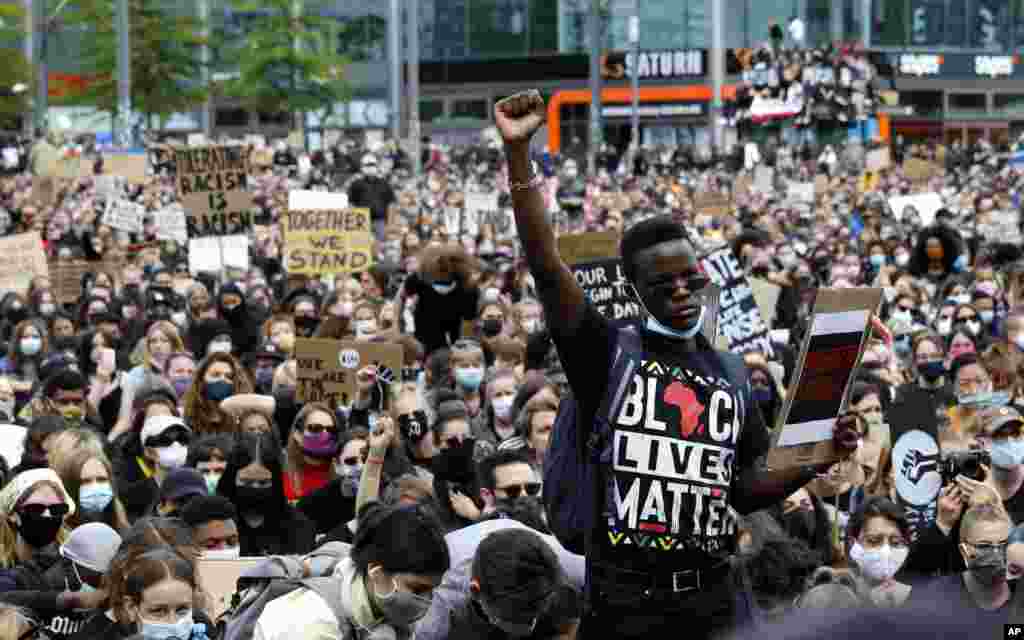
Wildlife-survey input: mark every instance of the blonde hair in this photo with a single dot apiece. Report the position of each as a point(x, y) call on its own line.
point(170, 331)
point(9, 537)
point(77, 439)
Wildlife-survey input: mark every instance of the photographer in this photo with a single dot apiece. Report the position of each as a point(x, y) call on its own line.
point(1001, 434)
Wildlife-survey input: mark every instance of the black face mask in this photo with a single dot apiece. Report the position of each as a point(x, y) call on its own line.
point(491, 328)
point(800, 525)
point(38, 531)
point(254, 499)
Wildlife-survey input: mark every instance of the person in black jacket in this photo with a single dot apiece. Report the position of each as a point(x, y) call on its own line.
point(254, 482)
point(373, 192)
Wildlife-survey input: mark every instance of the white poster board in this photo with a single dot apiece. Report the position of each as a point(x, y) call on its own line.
point(214, 253)
point(301, 200)
point(124, 215)
point(926, 204)
point(171, 224)
point(12, 443)
point(801, 191)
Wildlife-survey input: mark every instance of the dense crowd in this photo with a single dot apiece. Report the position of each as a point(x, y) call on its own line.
point(163, 429)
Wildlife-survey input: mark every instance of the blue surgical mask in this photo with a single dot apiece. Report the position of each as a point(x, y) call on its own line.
point(95, 497)
point(180, 630)
point(31, 346)
point(656, 327)
point(984, 399)
point(469, 378)
point(218, 390)
point(878, 260)
point(1007, 453)
point(444, 288)
point(960, 263)
point(987, 316)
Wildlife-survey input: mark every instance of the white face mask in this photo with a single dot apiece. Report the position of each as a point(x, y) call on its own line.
point(227, 553)
point(881, 564)
point(172, 457)
point(503, 406)
point(219, 347)
point(365, 328)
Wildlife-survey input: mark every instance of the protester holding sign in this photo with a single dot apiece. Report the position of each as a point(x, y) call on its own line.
point(684, 566)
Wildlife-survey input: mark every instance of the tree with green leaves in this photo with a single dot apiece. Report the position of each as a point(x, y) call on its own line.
point(16, 76)
point(286, 57)
point(166, 67)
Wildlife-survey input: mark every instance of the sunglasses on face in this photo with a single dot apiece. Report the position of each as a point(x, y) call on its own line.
point(514, 491)
point(45, 510)
point(352, 461)
point(168, 439)
point(317, 429)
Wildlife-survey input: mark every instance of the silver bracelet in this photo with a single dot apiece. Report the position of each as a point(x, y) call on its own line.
point(534, 183)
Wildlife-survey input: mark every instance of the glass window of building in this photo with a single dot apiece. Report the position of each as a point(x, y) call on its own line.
point(227, 117)
point(362, 38)
point(927, 22)
point(971, 103)
point(990, 25)
point(889, 23)
point(470, 109)
point(431, 110)
point(958, 21)
point(1012, 103)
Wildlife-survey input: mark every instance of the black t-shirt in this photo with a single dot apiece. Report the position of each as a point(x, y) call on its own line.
point(684, 428)
point(439, 317)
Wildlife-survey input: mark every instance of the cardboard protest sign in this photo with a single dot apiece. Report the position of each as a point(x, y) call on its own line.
point(170, 223)
point(216, 253)
point(594, 260)
point(328, 242)
point(131, 166)
point(124, 215)
point(213, 180)
point(818, 392)
point(479, 208)
point(925, 204)
point(327, 368)
point(219, 579)
point(21, 259)
point(917, 170)
point(712, 203)
point(66, 275)
point(800, 191)
point(766, 295)
point(877, 159)
point(739, 319)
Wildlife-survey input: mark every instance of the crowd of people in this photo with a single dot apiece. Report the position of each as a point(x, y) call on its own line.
point(163, 428)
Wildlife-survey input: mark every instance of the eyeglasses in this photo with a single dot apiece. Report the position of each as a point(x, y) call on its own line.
point(693, 281)
point(254, 484)
point(352, 461)
point(45, 510)
point(516, 490)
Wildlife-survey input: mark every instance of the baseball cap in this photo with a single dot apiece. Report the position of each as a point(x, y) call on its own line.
point(157, 425)
point(183, 483)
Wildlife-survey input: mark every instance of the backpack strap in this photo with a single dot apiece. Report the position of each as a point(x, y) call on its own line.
point(628, 345)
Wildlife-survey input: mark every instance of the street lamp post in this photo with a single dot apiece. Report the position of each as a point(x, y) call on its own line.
point(634, 42)
point(594, 31)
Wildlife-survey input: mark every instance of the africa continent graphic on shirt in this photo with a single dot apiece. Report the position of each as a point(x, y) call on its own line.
point(675, 437)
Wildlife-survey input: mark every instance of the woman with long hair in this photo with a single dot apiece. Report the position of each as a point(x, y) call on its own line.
point(90, 476)
point(218, 377)
point(161, 340)
point(312, 443)
point(28, 347)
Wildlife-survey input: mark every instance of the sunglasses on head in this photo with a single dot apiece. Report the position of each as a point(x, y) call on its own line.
point(41, 510)
point(514, 491)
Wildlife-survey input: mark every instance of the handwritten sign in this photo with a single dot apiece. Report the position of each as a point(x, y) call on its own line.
point(322, 242)
point(327, 368)
point(926, 205)
point(594, 260)
point(739, 318)
point(800, 191)
point(21, 259)
point(213, 180)
point(479, 208)
point(124, 215)
point(66, 275)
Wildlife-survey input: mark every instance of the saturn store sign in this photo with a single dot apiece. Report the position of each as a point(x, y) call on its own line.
point(673, 63)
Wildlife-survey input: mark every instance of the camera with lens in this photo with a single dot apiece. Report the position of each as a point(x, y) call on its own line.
point(964, 463)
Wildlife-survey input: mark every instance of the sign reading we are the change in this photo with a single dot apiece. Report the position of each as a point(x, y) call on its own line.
point(213, 182)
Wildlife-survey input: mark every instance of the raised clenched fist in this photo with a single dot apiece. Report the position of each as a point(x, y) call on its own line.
point(519, 116)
